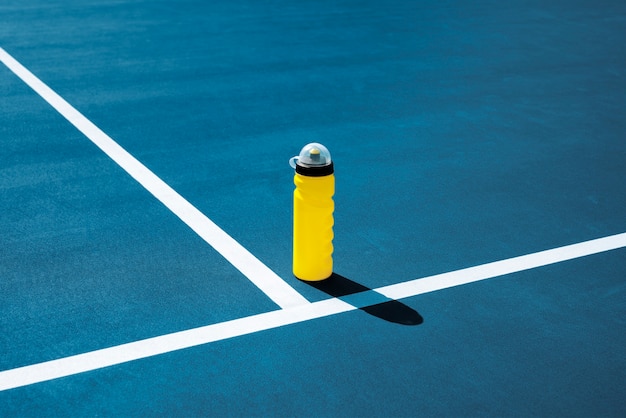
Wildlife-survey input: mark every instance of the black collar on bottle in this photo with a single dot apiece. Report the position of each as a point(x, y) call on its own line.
point(315, 171)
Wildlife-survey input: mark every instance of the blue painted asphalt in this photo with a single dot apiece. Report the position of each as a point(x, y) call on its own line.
point(461, 134)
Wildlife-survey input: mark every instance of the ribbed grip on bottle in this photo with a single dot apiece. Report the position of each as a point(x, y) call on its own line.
point(313, 227)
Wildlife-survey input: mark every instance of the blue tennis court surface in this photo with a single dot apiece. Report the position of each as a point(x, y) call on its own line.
point(146, 200)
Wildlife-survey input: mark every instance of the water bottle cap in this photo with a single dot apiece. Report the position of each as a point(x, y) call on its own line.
point(311, 156)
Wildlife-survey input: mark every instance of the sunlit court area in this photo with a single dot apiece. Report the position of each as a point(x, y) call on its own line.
point(344, 208)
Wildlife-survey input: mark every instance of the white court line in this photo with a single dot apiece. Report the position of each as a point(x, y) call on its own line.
point(93, 360)
point(500, 268)
point(258, 273)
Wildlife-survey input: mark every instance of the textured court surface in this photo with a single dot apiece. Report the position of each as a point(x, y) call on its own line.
point(463, 133)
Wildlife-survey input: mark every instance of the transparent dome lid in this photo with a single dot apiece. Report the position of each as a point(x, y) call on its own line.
point(312, 155)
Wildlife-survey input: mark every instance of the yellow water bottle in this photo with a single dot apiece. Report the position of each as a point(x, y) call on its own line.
point(313, 213)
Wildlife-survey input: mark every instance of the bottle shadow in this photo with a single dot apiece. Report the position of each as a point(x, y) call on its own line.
point(368, 300)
